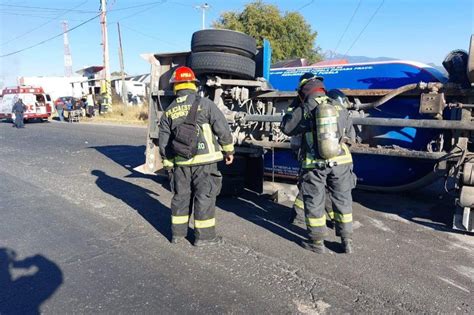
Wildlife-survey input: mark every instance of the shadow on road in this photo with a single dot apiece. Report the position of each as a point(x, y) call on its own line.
point(264, 213)
point(138, 198)
point(251, 206)
point(128, 156)
point(429, 206)
point(28, 122)
point(24, 294)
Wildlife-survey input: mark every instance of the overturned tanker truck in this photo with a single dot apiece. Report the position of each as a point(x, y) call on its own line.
point(414, 124)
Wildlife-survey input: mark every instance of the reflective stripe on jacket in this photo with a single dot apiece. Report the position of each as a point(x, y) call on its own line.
point(311, 161)
point(214, 132)
point(299, 122)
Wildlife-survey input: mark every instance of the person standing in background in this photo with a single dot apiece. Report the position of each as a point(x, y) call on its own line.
point(19, 109)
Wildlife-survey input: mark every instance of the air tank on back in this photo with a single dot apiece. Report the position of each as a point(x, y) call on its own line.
point(326, 131)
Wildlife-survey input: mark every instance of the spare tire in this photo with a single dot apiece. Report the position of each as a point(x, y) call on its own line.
point(224, 41)
point(470, 61)
point(222, 63)
point(456, 64)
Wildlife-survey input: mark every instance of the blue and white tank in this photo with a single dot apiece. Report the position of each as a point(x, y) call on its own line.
point(391, 173)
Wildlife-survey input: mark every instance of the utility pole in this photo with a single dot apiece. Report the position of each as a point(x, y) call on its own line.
point(203, 7)
point(67, 52)
point(105, 89)
point(122, 68)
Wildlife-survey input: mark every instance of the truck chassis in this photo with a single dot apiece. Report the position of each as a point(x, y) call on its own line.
point(254, 110)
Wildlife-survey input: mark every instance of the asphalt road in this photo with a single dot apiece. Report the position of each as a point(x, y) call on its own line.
point(82, 232)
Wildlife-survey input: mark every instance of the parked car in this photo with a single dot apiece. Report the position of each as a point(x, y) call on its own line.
point(63, 100)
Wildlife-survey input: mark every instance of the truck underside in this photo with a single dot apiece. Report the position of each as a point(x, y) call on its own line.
point(254, 109)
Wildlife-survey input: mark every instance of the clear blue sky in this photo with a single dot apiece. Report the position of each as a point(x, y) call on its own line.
point(420, 30)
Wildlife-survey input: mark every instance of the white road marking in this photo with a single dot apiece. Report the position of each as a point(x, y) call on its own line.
point(380, 225)
point(454, 284)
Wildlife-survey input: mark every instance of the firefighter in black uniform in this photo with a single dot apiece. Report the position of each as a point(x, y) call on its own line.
point(19, 109)
point(338, 98)
point(196, 181)
point(326, 161)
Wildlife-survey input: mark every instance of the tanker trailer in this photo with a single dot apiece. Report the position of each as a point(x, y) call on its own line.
point(414, 124)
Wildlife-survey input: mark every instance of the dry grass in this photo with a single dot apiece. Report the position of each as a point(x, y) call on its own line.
point(122, 114)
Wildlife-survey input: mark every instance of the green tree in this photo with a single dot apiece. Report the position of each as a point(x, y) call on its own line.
point(289, 34)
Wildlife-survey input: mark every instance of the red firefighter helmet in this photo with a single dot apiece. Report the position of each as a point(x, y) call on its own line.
point(183, 74)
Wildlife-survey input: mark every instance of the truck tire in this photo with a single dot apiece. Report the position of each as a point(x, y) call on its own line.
point(470, 61)
point(224, 41)
point(222, 63)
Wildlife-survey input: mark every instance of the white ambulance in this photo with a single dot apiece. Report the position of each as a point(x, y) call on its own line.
point(38, 103)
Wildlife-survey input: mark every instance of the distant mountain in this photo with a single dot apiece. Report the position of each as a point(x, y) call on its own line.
point(355, 59)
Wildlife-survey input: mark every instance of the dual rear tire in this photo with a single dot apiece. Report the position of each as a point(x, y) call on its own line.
point(223, 52)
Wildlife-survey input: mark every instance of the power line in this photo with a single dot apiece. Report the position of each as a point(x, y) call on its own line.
point(149, 36)
point(366, 25)
point(46, 14)
point(34, 16)
point(38, 10)
point(149, 5)
point(182, 4)
point(139, 12)
point(51, 38)
point(136, 6)
point(44, 8)
point(43, 24)
point(50, 19)
point(347, 26)
point(306, 5)
point(21, 7)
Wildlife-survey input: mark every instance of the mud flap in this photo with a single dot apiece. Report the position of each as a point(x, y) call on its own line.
point(463, 219)
point(153, 164)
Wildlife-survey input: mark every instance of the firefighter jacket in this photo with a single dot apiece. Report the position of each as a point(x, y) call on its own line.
point(211, 123)
point(301, 121)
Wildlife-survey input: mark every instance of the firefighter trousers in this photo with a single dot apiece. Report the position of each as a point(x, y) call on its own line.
point(340, 180)
point(19, 123)
point(298, 205)
point(195, 188)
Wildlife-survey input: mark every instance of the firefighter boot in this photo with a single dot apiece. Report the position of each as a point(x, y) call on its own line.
point(314, 246)
point(213, 241)
point(347, 245)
